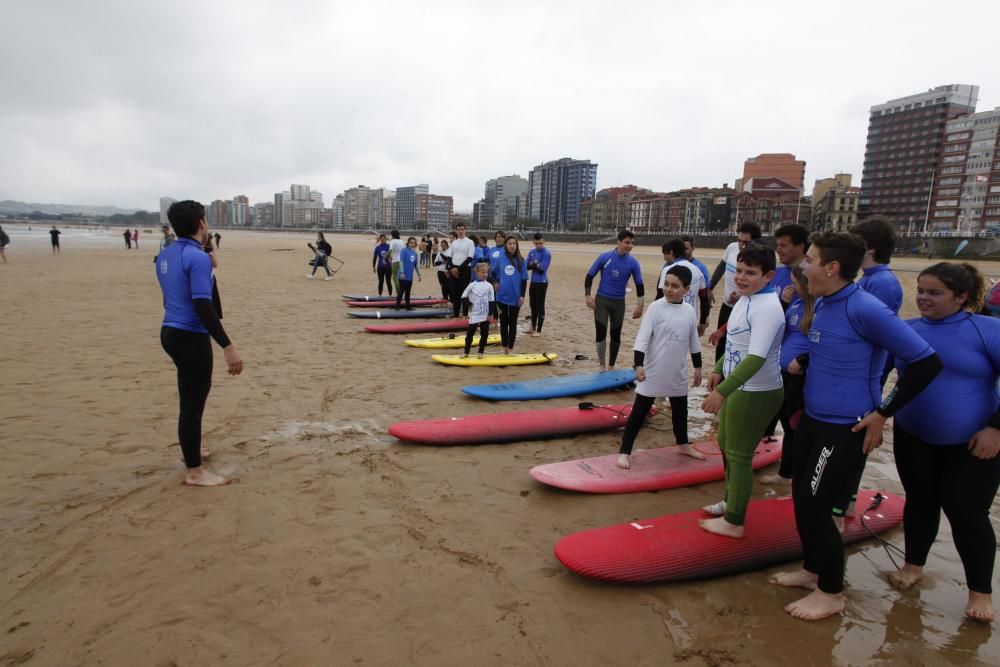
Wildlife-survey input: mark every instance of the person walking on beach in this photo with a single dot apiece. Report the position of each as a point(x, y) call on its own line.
point(190, 323)
point(54, 235)
point(128, 239)
point(952, 463)
point(135, 238)
point(480, 295)
point(322, 250)
point(616, 267)
point(218, 240)
point(4, 242)
point(668, 333)
point(409, 262)
point(539, 259)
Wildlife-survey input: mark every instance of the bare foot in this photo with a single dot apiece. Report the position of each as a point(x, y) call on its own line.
point(852, 510)
point(903, 578)
point(817, 605)
point(980, 607)
point(775, 479)
point(205, 454)
point(201, 477)
point(798, 579)
point(462, 356)
point(689, 450)
point(715, 509)
point(720, 526)
point(604, 368)
point(839, 521)
point(535, 334)
point(506, 351)
point(623, 461)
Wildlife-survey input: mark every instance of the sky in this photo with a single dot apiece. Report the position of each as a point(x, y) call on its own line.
point(122, 102)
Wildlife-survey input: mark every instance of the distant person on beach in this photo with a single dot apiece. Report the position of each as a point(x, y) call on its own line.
point(4, 242)
point(323, 250)
point(616, 267)
point(409, 262)
point(168, 237)
point(946, 441)
point(510, 280)
point(190, 323)
point(667, 334)
point(135, 238)
point(480, 294)
point(54, 234)
point(382, 265)
point(218, 240)
point(128, 239)
point(539, 260)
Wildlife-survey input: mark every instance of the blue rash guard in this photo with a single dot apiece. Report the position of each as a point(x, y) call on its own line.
point(615, 270)
point(848, 339)
point(795, 342)
point(185, 273)
point(963, 398)
point(381, 255)
point(407, 261)
point(704, 271)
point(513, 281)
point(782, 278)
point(542, 258)
point(880, 281)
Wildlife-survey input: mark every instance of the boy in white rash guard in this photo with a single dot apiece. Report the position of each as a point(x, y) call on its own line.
point(669, 329)
point(673, 255)
point(747, 232)
point(751, 392)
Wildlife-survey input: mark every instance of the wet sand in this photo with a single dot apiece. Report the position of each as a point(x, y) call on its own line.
point(337, 544)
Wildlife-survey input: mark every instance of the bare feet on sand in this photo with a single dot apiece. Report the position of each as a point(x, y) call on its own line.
point(797, 579)
point(775, 479)
point(689, 450)
point(980, 607)
point(817, 605)
point(720, 526)
point(715, 509)
point(623, 461)
point(852, 509)
point(903, 578)
point(201, 477)
point(839, 521)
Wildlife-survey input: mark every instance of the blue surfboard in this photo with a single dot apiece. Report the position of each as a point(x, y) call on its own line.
point(552, 387)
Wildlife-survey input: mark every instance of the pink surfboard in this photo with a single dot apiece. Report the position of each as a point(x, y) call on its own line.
point(511, 426)
point(674, 548)
point(651, 469)
point(419, 327)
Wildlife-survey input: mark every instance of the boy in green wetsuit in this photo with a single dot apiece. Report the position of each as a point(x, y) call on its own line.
point(751, 392)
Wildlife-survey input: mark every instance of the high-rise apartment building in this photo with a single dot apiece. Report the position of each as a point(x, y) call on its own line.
point(775, 165)
point(906, 138)
point(406, 204)
point(357, 207)
point(239, 211)
point(387, 218)
point(165, 203)
point(556, 189)
point(435, 211)
point(262, 215)
point(505, 200)
point(299, 192)
point(337, 212)
point(967, 182)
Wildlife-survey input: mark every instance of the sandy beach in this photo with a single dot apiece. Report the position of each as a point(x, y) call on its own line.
point(337, 544)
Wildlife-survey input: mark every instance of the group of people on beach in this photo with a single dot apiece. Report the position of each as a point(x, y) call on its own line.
point(798, 340)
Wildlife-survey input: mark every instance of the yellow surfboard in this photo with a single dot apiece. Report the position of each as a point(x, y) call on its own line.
point(455, 341)
point(494, 359)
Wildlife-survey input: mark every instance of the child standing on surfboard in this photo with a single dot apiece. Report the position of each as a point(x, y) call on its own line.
point(669, 329)
point(751, 392)
point(479, 292)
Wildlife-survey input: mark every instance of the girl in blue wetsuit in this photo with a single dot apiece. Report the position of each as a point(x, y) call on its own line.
point(510, 278)
point(409, 262)
point(946, 441)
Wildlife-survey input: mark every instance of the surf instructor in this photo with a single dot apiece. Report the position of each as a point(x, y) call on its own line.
point(615, 267)
point(190, 323)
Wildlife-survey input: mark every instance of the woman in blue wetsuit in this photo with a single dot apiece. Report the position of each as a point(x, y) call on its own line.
point(510, 278)
point(946, 441)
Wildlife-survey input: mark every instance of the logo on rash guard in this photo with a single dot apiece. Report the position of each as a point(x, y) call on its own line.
point(814, 336)
point(508, 270)
point(163, 266)
point(824, 456)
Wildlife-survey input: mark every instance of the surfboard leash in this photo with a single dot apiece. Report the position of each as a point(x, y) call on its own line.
point(876, 502)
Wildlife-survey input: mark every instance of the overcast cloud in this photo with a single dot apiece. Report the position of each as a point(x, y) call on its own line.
point(124, 102)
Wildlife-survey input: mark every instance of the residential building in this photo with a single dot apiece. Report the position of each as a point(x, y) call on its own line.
point(217, 213)
point(835, 208)
point(357, 208)
point(280, 198)
point(608, 209)
point(778, 165)
point(644, 211)
point(165, 203)
point(299, 192)
point(262, 215)
point(504, 201)
point(337, 212)
point(773, 202)
point(967, 183)
point(387, 218)
point(822, 185)
point(240, 211)
point(906, 141)
point(556, 189)
point(434, 212)
point(406, 204)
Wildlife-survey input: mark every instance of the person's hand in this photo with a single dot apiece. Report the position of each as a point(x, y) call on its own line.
point(711, 298)
point(454, 273)
point(715, 337)
point(873, 425)
point(373, 269)
point(637, 313)
point(713, 381)
point(732, 298)
point(234, 363)
point(623, 461)
point(418, 277)
point(788, 294)
point(985, 444)
point(701, 330)
point(590, 302)
point(713, 402)
point(640, 374)
point(697, 378)
point(520, 301)
point(794, 367)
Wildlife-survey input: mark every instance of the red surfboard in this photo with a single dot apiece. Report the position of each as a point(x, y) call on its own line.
point(674, 548)
point(511, 426)
point(651, 469)
point(418, 327)
point(414, 303)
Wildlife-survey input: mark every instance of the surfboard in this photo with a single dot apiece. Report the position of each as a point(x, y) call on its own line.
point(552, 387)
point(414, 303)
point(363, 297)
point(452, 341)
point(511, 426)
point(400, 314)
point(674, 548)
point(419, 327)
point(650, 470)
point(495, 359)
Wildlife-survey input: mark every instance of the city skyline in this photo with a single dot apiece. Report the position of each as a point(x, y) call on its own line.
point(95, 114)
